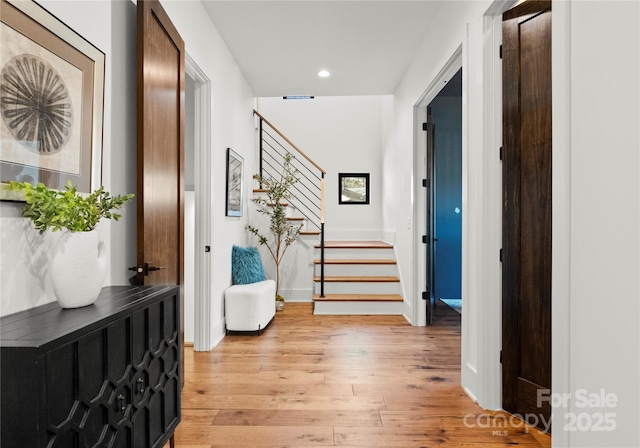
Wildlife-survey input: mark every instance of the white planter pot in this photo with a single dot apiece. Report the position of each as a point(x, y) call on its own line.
point(78, 268)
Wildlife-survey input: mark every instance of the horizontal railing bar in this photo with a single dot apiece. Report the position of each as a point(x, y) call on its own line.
point(307, 197)
point(294, 158)
point(311, 212)
point(290, 142)
point(310, 207)
point(305, 210)
point(305, 184)
point(294, 201)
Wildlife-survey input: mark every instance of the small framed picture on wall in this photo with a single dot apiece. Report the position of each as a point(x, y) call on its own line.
point(353, 188)
point(234, 184)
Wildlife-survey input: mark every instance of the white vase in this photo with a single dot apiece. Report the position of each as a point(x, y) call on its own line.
point(78, 268)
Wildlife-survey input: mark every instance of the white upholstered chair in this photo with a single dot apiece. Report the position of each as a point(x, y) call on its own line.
point(250, 302)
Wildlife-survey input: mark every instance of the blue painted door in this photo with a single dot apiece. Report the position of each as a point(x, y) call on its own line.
point(446, 110)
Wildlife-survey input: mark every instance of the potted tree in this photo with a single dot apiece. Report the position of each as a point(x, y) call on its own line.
point(78, 266)
point(283, 233)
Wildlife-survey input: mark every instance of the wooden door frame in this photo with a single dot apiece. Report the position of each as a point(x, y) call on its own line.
point(202, 179)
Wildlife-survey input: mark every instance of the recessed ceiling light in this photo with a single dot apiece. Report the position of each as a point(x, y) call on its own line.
point(323, 73)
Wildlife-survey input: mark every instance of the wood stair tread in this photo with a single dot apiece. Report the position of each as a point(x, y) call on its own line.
point(358, 298)
point(355, 245)
point(356, 261)
point(295, 218)
point(260, 190)
point(358, 278)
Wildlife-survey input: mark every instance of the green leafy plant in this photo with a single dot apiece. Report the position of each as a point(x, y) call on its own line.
point(68, 209)
point(282, 232)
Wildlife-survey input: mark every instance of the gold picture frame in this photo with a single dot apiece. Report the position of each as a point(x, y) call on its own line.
point(51, 101)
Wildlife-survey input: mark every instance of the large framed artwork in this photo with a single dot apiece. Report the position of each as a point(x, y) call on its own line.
point(51, 101)
point(234, 183)
point(353, 188)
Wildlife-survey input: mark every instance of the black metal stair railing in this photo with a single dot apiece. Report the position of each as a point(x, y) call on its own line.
point(308, 193)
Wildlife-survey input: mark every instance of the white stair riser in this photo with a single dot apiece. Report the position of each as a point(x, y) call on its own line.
point(358, 269)
point(394, 308)
point(297, 223)
point(359, 288)
point(289, 211)
point(350, 253)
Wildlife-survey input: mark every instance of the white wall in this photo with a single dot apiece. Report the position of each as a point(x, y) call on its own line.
point(596, 306)
point(111, 27)
point(343, 135)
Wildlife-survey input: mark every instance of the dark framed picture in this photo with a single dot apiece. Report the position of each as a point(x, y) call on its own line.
point(51, 101)
point(353, 188)
point(234, 183)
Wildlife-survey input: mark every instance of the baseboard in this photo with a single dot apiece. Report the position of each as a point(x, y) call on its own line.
point(218, 332)
point(297, 295)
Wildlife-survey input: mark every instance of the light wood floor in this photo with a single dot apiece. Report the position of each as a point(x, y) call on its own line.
point(351, 381)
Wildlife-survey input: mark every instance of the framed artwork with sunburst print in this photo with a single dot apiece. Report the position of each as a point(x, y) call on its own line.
point(51, 101)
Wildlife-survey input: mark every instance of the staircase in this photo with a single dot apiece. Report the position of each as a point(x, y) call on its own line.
point(361, 277)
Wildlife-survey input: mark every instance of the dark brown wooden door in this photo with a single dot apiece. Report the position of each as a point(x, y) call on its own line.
point(526, 267)
point(160, 221)
point(160, 147)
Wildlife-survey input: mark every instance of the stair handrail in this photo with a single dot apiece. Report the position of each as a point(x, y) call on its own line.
point(290, 142)
point(323, 172)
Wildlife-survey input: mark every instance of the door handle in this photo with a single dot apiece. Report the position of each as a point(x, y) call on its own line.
point(146, 268)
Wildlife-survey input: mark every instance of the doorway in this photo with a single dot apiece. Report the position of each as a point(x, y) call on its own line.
point(421, 309)
point(198, 276)
point(444, 201)
point(189, 210)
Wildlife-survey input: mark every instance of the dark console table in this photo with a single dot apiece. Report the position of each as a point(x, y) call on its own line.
point(106, 375)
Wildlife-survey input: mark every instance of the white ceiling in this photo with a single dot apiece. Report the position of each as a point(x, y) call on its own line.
point(281, 45)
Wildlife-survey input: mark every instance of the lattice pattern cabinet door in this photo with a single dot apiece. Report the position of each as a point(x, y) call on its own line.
point(87, 386)
point(156, 354)
point(106, 375)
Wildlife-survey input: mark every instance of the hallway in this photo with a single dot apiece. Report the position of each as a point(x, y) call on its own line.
point(357, 381)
